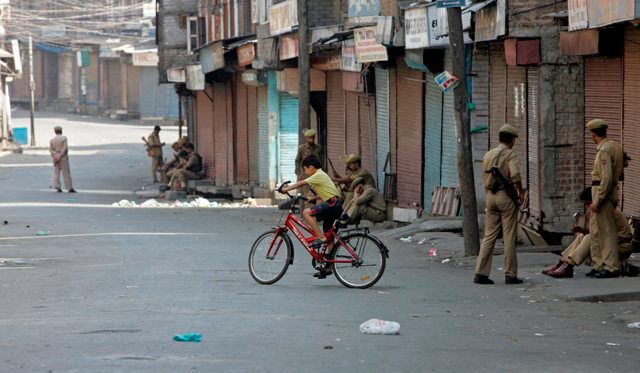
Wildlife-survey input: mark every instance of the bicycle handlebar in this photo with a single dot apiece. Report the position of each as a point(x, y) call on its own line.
point(297, 196)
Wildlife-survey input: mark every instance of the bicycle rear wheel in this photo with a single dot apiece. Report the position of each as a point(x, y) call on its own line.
point(270, 257)
point(364, 271)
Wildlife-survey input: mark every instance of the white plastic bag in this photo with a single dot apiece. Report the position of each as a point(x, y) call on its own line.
point(376, 326)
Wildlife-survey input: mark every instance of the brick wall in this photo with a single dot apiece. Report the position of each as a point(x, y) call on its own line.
point(172, 39)
point(324, 13)
point(525, 14)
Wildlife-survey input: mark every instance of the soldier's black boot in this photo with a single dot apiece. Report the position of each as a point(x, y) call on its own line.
point(508, 280)
point(482, 280)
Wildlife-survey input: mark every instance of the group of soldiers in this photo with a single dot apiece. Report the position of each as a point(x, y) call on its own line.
point(360, 198)
point(605, 239)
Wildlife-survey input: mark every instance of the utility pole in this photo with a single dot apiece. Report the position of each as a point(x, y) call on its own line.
point(304, 95)
point(32, 89)
point(470, 226)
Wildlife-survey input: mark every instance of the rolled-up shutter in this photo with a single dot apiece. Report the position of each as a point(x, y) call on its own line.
point(631, 129)
point(220, 134)
point(263, 136)
point(382, 121)
point(603, 100)
point(252, 112)
point(517, 114)
point(410, 134)
point(288, 137)
point(336, 139)
point(497, 92)
point(432, 139)
point(353, 122)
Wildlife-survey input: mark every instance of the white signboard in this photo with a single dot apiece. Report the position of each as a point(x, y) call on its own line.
point(176, 75)
point(367, 48)
point(416, 32)
point(145, 59)
point(17, 60)
point(195, 77)
point(578, 16)
point(283, 17)
point(349, 62)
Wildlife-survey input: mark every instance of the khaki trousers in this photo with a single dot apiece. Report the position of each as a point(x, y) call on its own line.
point(501, 212)
point(578, 251)
point(604, 238)
point(62, 166)
point(156, 162)
point(181, 176)
point(365, 212)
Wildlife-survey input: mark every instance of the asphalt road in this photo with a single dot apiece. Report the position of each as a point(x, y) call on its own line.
point(107, 289)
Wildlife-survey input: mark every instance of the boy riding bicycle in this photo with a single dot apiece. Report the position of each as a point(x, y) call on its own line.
point(324, 188)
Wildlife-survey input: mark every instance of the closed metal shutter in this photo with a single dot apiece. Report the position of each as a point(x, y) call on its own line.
point(336, 139)
point(368, 133)
point(133, 88)
point(220, 134)
point(252, 112)
point(432, 139)
point(382, 121)
point(230, 131)
point(263, 136)
point(631, 130)
point(156, 100)
point(497, 91)
point(517, 114)
point(410, 134)
point(288, 137)
point(204, 131)
point(352, 124)
point(533, 143)
point(114, 82)
point(603, 100)
point(241, 133)
point(449, 134)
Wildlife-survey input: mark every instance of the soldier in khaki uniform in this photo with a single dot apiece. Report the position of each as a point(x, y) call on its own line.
point(367, 203)
point(501, 211)
point(60, 155)
point(154, 151)
point(607, 169)
point(354, 170)
point(305, 150)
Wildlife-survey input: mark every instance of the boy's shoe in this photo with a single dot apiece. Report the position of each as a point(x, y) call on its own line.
point(318, 243)
point(323, 273)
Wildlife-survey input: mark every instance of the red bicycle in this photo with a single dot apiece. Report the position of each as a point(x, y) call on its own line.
point(358, 258)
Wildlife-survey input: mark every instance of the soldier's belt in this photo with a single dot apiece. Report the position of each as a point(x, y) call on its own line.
point(597, 183)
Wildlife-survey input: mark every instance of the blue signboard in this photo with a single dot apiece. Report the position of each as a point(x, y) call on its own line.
point(364, 8)
point(450, 3)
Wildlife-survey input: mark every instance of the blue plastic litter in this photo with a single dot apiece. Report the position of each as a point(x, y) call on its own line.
point(188, 337)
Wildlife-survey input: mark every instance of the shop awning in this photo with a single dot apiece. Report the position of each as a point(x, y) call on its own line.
point(477, 6)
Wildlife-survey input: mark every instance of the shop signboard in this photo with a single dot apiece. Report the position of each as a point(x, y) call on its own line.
point(491, 21)
point(195, 77)
point(416, 31)
point(349, 62)
point(606, 12)
point(367, 48)
point(283, 17)
point(578, 19)
point(363, 11)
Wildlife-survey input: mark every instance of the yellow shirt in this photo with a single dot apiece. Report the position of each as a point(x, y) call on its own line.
point(322, 185)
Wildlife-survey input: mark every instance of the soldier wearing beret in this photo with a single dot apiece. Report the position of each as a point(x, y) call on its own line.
point(305, 150)
point(367, 203)
point(354, 170)
point(501, 212)
point(60, 155)
point(607, 169)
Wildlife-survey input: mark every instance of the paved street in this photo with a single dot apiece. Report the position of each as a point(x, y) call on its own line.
point(107, 288)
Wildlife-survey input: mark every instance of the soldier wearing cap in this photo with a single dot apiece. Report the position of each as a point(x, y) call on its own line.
point(607, 169)
point(501, 212)
point(60, 155)
point(305, 150)
point(367, 203)
point(154, 151)
point(354, 170)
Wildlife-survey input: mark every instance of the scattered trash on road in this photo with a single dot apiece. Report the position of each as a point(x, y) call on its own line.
point(634, 325)
point(188, 337)
point(328, 347)
point(6, 222)
point(539, 334)
point(422, 241)
point(446, 260)
point(613, 344)
point(433, 252)
point(42, 233)
point(72, 200)
point(376, 326)
point(405, 239)
point(196, 203)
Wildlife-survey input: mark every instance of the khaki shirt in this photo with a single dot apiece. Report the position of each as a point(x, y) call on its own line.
point(503, 158)
point(606, 170)
point(304, 151)
point(154, 151)
point(58, 145)
point(192, 161)
point(372, 198)
point(363, 173)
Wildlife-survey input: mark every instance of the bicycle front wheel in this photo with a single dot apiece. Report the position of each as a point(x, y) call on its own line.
point(363, 269)
point(270, 257)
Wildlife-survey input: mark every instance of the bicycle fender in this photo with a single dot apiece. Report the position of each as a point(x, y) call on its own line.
point(283, 231)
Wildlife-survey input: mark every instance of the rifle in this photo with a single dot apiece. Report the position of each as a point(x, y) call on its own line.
point(331, 164)
point(505, 183)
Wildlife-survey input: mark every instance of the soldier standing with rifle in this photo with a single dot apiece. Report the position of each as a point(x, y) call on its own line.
point(501, 179)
